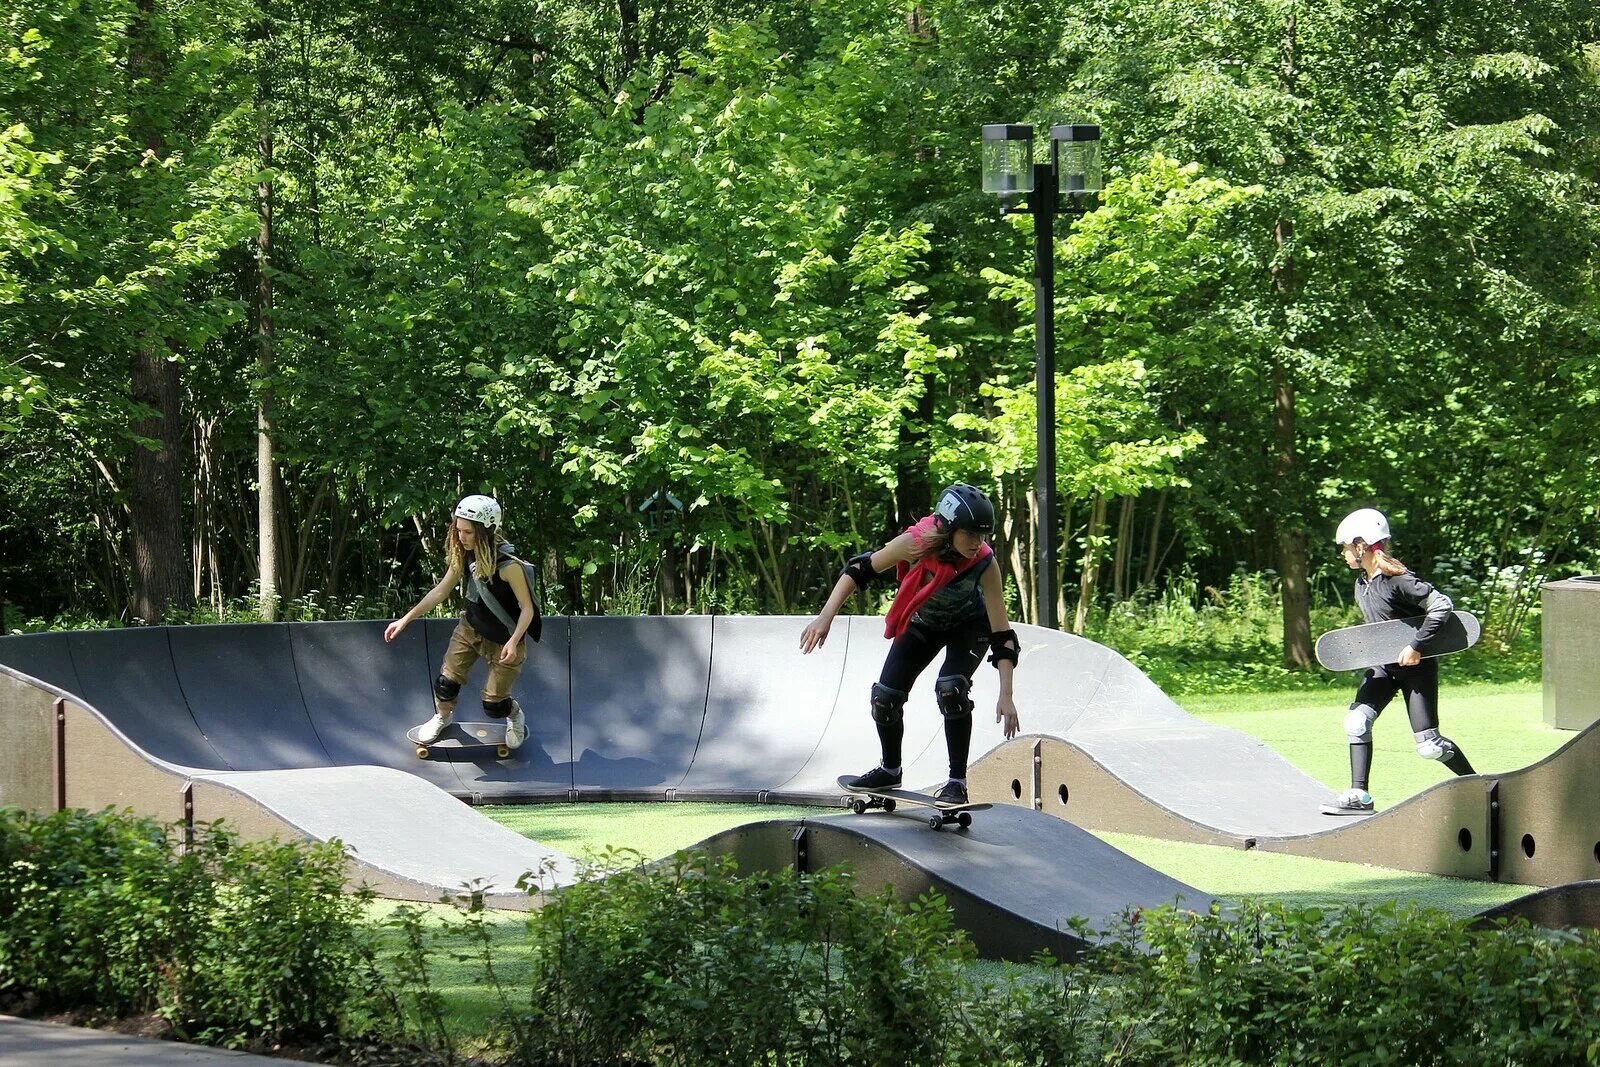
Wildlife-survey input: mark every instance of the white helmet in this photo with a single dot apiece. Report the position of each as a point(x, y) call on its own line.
point(480, 509)
point(1364, 524)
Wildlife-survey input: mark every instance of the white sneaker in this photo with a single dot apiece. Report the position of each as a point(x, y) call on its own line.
point(516, 728)
point(1350, 802)
point(429, 731)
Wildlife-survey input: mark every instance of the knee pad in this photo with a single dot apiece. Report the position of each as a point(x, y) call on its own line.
point(888, 705)
point(951, 693)
point(1435, 746)
point(499, 709)
point(1358, 724)
point(445, 689)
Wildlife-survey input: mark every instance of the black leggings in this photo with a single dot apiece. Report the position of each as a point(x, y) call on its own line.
point(1420, 684)
point(963, 645)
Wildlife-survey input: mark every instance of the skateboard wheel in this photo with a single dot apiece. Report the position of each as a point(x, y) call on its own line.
point(888, 803)
point(858, 806)
point(965, 819)
point(422, 752)
point(935, 821)
point(502, 752)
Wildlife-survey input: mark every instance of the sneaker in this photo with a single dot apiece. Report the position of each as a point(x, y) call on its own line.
point(429, 731)
point(1350, 802)
point(877, 780)
point(516, 728)
point(953, 793)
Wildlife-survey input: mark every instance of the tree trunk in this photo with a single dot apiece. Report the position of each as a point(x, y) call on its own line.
point(913, 492)
point(266, 470)
point(1089, 573)
point(160, 568)
point(1122, 561)
point(1292, 566)
point(155, 491)
point(1151, 557)
point(1019, 550)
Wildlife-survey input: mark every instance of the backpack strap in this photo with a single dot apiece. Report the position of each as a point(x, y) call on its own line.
point(479, 591)
point(476, 590)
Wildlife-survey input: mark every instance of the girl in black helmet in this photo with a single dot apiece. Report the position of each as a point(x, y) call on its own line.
point(949, 600)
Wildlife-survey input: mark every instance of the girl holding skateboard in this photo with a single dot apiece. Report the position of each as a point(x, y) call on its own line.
point(949, 601)
point(488, 630)
point(1386, 589)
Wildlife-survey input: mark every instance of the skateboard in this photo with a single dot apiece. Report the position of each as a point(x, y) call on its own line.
point(889, 799)
point(463, 737)
point(1374, 644)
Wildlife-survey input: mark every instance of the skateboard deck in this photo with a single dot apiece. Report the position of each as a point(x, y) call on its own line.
point(889, 799)
point(1375, 644)
point(465, 738)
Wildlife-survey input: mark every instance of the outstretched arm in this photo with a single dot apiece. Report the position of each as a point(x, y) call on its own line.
point(900, 550)
point(431, 600)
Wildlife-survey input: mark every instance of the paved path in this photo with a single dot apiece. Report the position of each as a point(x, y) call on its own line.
point(25, 1043)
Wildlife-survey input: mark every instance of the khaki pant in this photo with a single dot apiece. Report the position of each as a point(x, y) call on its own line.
point(468, 646)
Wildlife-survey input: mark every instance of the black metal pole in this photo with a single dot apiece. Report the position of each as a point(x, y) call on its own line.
point(1043, 204)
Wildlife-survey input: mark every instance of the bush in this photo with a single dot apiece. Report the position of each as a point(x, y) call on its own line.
point(228, 941)
point(688, 964)
point(1271, 983)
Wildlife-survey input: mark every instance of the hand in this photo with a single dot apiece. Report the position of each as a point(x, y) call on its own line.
point(1410, 657)
point(1005, 710)
point(509, 652)
point(392, 631)
point(815, 634)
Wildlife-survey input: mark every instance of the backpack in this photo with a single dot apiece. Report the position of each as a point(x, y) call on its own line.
point(477, 590)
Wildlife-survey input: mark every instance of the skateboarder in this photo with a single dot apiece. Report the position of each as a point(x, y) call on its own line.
point(1386, 589)
point(949, 601)
point(492, 632)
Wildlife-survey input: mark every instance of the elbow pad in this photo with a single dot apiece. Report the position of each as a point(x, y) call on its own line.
point(1004, 645)
point(859, 568)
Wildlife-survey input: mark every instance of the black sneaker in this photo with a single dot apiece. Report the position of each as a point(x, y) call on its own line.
point(877, 780)
point(952, 793)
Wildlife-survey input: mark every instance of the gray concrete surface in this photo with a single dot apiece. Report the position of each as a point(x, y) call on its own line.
point(26, 1043)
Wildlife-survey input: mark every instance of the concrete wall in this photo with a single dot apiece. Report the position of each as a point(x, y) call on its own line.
point(1572, 652)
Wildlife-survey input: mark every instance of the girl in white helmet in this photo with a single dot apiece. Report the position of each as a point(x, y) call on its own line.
point(1386, 589)
point(474, 551)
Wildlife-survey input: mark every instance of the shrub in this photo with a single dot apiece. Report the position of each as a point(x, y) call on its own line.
point(1272, 983)
point(688, 964)
point(227, 941)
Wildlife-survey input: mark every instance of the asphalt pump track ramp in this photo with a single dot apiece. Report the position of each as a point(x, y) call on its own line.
point(299, 729)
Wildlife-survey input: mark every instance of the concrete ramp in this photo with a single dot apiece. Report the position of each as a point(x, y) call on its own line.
point(407, 839)
point(727, 708)
point(1014, 880)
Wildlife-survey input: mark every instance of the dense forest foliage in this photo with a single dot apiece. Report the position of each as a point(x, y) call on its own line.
point(281, 280)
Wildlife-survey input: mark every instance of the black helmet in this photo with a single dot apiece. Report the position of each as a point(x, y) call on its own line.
point(963, 507)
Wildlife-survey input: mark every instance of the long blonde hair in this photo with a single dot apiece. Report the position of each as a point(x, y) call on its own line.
point(484, 552)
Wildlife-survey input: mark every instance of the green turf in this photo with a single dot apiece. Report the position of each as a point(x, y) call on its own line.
point(1500, 728)
point(653, 830)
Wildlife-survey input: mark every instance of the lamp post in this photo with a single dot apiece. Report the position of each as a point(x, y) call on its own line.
point(1067, 184)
